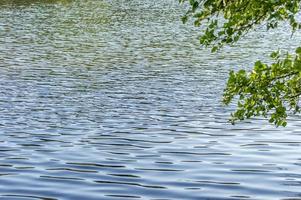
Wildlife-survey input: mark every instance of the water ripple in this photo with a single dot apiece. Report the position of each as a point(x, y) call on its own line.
point(112, 100)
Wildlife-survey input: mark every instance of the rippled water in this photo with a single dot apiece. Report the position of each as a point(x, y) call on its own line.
point(116, 100)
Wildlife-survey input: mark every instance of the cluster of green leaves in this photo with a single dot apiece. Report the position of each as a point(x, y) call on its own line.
point(227, 20)
point(269, 90)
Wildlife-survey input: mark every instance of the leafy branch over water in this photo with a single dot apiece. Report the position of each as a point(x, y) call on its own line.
point(272, 90)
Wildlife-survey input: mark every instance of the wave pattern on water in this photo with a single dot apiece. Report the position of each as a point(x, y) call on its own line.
point(116, 100)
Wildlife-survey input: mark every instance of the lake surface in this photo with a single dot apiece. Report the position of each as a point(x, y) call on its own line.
point(116, 100)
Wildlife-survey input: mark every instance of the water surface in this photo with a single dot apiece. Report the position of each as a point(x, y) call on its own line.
point(116, 100)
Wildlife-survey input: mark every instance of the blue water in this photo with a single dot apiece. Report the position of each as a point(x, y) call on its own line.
point(117, 100)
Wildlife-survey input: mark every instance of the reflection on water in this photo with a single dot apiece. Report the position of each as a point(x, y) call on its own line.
point(115, 100)
point(31, 2)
